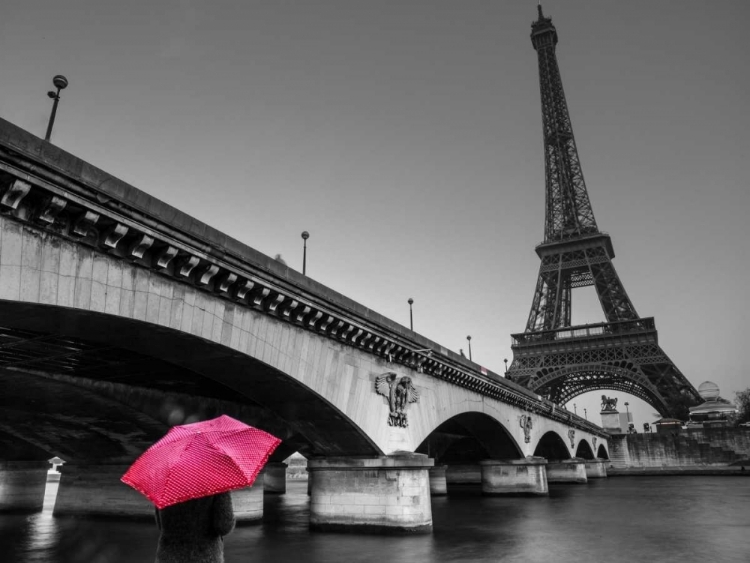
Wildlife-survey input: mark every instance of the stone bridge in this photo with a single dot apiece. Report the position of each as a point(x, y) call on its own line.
point(121, 316)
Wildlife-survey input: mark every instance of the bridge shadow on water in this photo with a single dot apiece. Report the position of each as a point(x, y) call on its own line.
point(625, 519)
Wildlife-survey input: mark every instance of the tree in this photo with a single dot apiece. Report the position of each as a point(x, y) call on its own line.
point(743, 405)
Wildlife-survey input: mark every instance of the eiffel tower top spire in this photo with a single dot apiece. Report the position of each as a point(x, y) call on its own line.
point(568, 212)
point(539, 9)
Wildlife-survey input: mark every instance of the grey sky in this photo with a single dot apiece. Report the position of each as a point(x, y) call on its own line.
point(406, 137)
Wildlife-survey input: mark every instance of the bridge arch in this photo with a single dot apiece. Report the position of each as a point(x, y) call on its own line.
point(584, 450)
point(602, 452)
point(470, 437)
point(564, 384)
point(552, 447)
point(152, 377)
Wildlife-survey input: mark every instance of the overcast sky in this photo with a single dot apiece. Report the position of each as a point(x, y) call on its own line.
point(405, 136)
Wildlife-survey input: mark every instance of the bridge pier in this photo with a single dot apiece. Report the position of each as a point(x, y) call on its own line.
point(275, 477)
point(22, 485)
point(567, 471)
point(248, 502)
point(96, 491)
point(463, 474)
point(438, 483)
point(596, 468)
point(389, 494)
point(515, 477)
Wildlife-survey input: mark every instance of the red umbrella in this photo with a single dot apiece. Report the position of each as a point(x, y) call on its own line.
point(201, 459)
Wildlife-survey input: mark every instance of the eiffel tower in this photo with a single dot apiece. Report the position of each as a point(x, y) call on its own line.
point(551, 357)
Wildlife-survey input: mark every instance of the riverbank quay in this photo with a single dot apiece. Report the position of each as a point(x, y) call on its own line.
point(723, 471)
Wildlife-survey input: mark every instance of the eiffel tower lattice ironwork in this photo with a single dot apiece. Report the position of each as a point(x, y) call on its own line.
point(552, 357)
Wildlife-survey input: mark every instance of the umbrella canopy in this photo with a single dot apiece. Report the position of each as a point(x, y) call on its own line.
point(201, 459)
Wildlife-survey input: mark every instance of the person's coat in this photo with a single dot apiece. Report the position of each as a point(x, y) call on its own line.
point(192, 531)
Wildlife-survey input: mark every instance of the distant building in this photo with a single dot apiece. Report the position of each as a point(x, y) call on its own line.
point(715, 411)
point(668, 426)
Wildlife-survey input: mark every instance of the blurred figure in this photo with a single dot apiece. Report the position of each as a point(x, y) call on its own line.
point(192, 531)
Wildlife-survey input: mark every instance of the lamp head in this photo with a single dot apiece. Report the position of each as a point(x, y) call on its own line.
point(60, 82)
point(410, 301)
point(305, 235)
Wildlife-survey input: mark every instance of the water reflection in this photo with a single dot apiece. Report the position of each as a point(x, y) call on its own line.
point(685, 519)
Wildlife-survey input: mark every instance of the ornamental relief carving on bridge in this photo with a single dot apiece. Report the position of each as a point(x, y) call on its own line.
point(525, 422)
point(399, 391)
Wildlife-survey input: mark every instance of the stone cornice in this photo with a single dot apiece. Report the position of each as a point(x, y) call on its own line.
point(53, 197)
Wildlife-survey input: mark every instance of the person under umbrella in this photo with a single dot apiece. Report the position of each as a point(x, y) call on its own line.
point(193, 531)
point(188, 475)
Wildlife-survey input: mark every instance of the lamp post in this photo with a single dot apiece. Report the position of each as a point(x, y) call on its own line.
point(305, 236)
point(575, 410)
point(627, 413)
point(411, 316)
point(585, 414)
point(468, 338)
point(506, 366)
point(60, 83)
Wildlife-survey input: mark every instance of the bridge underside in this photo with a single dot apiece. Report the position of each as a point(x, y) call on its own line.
point(565, 363)
point(92, 387)
point(469, 437)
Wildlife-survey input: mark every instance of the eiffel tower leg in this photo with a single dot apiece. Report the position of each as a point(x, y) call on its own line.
point(551, 305)
point(612, 296)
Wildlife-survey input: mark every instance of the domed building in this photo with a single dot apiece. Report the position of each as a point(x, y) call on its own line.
point(715, 411)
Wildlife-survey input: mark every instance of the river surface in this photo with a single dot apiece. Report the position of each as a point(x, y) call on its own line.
point(622, 519)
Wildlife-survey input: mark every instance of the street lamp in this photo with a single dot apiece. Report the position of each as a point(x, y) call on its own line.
point(627, 411)
point(305, 236)
point(585, 414)
point(60, 83)
point(575, 410)
point(468, 338)
point(506, 366)
point(411, 316)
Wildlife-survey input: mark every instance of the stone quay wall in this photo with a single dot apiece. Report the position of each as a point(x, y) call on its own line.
point(689, 448)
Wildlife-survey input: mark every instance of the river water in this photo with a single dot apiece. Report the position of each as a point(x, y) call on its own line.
point(622, 519)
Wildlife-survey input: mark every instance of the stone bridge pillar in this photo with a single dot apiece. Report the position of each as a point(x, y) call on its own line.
point(515, 477)
point(596, 468)
point(438, 483)
point(463, 474)
point(22, 485)
point(96, 491)
point(248, 502)
point(389, 494)
point(567, 471)
point(275, 477)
